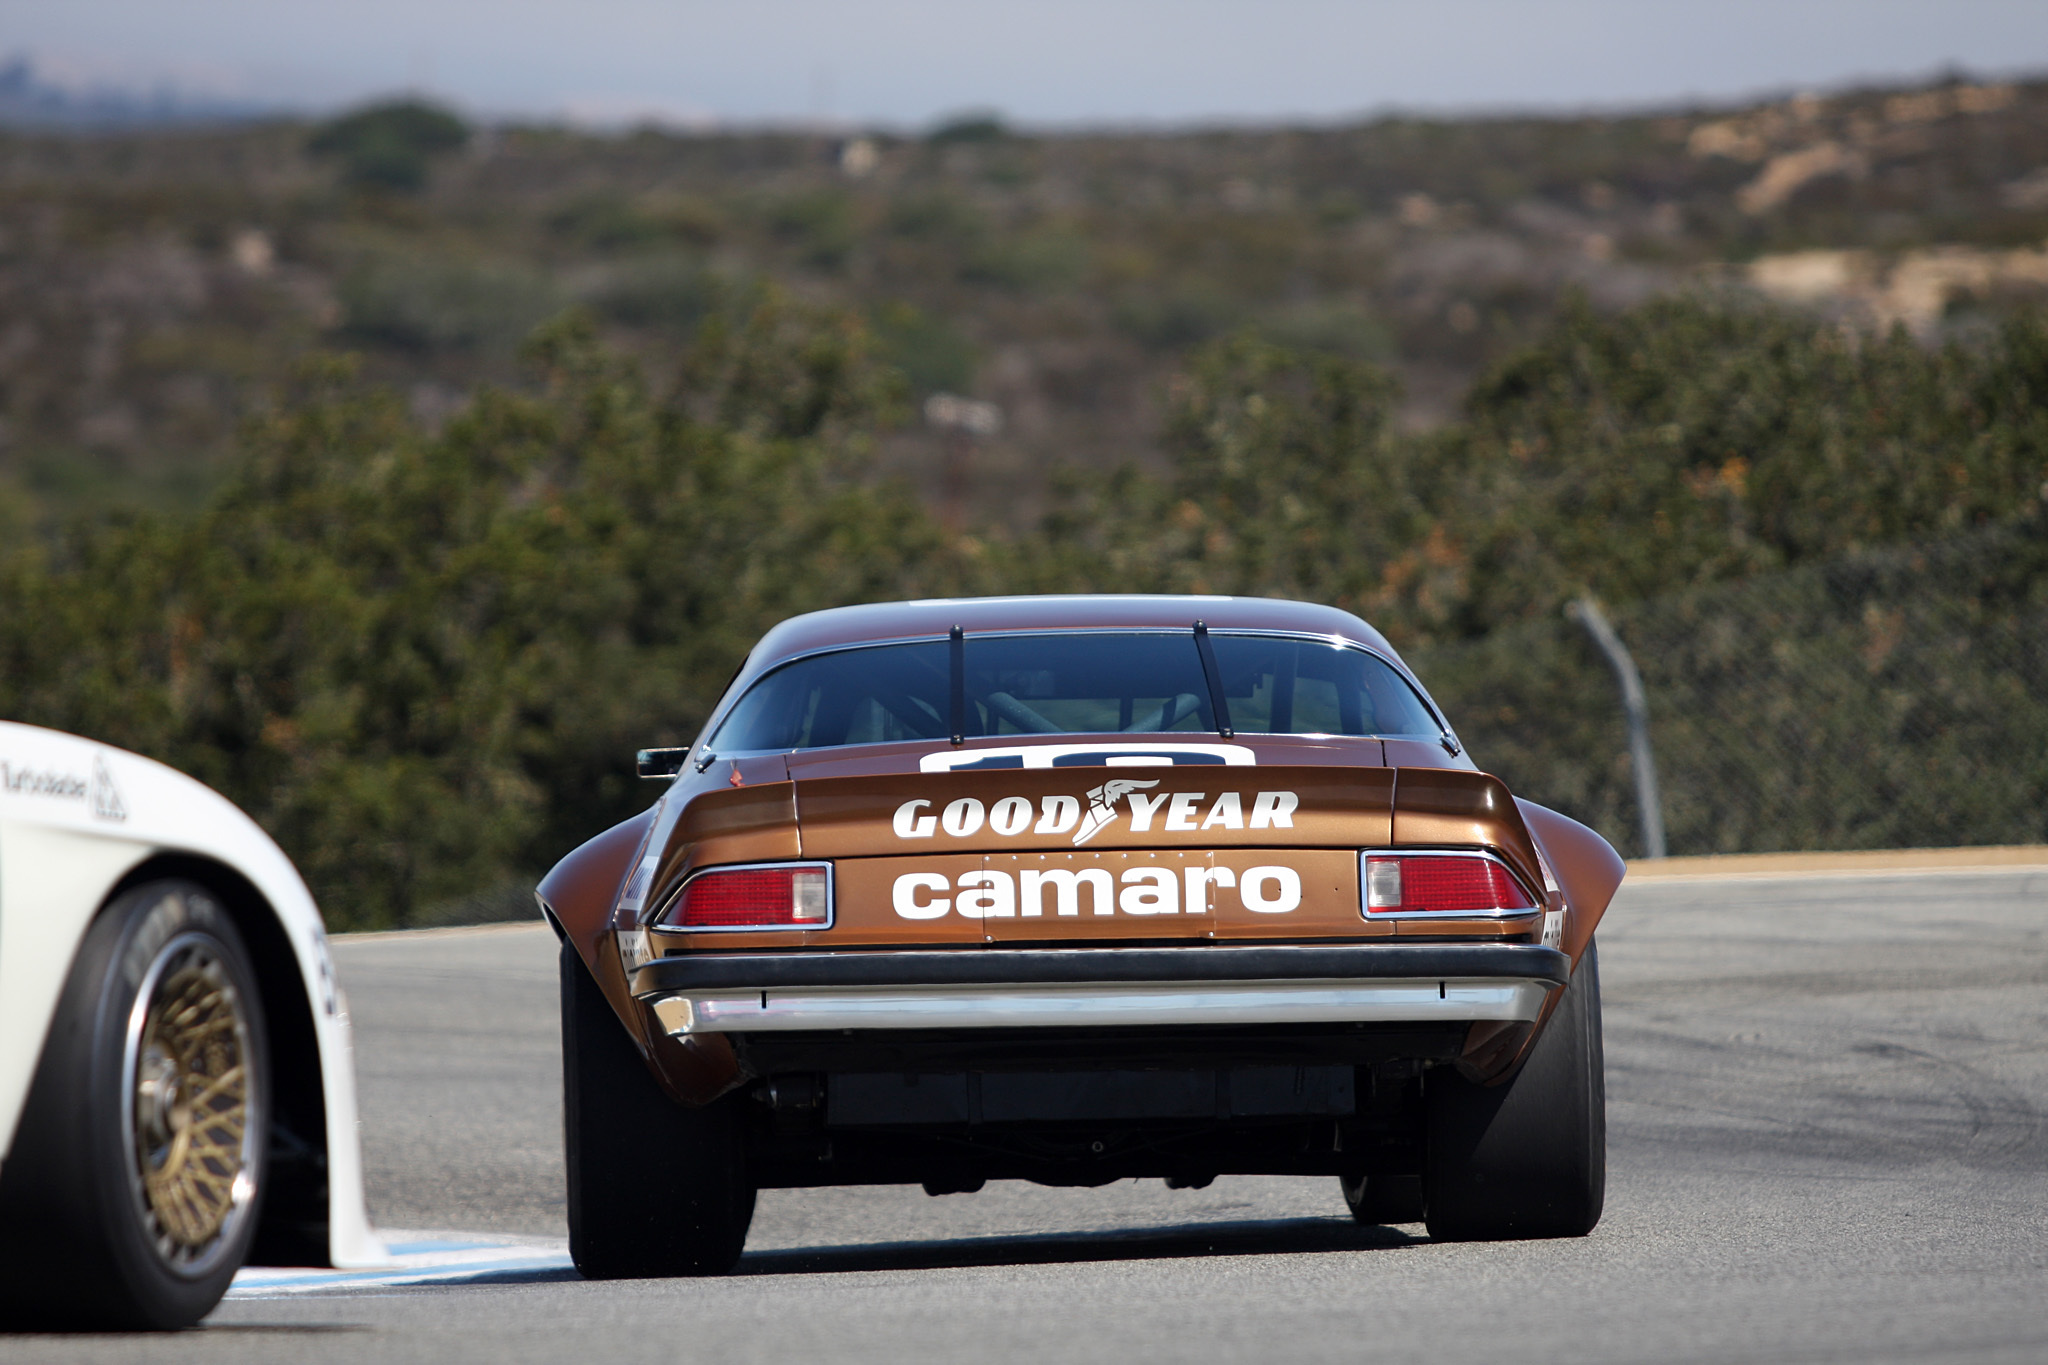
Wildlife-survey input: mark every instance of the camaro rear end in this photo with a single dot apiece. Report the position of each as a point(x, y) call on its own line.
point(1072, 890)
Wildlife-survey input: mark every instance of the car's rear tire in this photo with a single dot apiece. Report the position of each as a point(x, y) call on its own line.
point(655, 1188)
point(136, 1177)
point(1528, 1157)
point(1380, 1200)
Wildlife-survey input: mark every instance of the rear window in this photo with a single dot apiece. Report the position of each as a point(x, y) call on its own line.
point(1305, 687)
point(1098, 682)
point(853, 696)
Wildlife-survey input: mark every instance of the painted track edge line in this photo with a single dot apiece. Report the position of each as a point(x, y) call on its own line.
point(418, 1259)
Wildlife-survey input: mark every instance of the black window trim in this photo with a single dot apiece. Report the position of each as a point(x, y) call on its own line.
point(734, 691)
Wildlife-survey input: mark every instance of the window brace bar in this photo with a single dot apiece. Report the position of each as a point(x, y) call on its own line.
point(957, 666)
point(1214, 676)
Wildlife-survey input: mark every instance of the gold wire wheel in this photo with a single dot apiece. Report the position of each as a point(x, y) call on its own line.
point(190, 1089)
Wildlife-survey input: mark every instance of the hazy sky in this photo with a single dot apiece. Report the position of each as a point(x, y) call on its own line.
point(906, 62)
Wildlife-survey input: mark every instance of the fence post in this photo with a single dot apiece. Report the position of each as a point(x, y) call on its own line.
point(1588, 614)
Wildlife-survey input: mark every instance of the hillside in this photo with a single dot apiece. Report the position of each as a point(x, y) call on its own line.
point(156, 289)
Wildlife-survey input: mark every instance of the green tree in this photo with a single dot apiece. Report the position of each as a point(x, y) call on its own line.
point(1688, 442)
point(389, 146)
point(1286, 478)
point(423, 660)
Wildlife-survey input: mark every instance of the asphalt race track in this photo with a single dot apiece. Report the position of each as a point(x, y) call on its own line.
point(1827, 1144)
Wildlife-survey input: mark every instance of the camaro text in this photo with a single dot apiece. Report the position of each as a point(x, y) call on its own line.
point(990, 894)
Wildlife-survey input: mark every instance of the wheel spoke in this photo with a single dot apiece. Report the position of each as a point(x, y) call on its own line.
point(231, 1077)
point(192, 1155)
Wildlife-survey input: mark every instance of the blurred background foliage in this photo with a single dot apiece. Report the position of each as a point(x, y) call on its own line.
point(414, 655)
point(403, 507)
point(389, 146)
point(1883, 698)
point(158, 285)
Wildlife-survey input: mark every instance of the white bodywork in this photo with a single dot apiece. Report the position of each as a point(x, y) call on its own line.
point(75, 818)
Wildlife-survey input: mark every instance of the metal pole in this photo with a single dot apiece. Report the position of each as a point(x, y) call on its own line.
point(1588, 614)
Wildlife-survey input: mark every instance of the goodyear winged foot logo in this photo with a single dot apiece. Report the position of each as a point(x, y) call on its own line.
point(1102, 805)
point(1175, 811)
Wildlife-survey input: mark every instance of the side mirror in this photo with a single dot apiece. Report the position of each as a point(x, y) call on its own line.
point(660, 764)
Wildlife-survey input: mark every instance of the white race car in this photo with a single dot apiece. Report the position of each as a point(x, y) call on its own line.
point(177, 1089)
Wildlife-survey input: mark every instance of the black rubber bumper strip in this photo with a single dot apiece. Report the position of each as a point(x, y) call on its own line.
point(1059, 966)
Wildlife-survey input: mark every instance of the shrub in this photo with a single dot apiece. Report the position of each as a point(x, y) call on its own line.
point(423, 661)
point(389, 146)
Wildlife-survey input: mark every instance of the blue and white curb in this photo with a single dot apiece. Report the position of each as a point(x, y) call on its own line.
point(418, 1259)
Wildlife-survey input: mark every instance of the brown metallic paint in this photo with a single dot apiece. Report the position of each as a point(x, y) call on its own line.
point(582, 888)
point(865, 916)
point(752, 771)
point(1090, 925)
point(1587, 868)
point(933, 619)
point(695, 1070)
point(1355, 793)
point(1493, 1046)
point(1520, 927)
point(723, 825)
point(580, 892)
point(1294, 751)
point(1329, 896)
point(840, 817)
point(752, 824)
point(1425, 753)
point(850, 817)
point(869, 760)
point(1450, 809)
point(1588, 872)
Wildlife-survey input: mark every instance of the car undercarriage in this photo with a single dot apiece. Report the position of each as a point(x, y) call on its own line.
point(1086, 1107)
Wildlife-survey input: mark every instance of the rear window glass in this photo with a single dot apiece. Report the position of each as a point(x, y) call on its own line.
point(854, 696)
point(1098, 682)
point(1304, 687)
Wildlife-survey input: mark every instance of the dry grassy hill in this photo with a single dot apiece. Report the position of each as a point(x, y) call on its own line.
point(155, 288)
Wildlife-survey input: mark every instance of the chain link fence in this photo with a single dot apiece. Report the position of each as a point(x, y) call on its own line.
point(1889, 699)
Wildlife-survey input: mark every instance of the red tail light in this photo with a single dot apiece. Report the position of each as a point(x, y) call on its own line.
point(785, 897)
point(1440, 884)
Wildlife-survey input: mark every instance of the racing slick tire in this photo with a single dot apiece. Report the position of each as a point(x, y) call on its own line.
point(655, 1188)
point(1528, 1157)
point(137, 1174)
point(1379, 1200)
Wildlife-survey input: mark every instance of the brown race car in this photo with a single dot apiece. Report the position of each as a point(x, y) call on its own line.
point(1073, 889)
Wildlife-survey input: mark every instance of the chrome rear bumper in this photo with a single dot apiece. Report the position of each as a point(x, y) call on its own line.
point(1101, 1004)
point(1095, 987)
